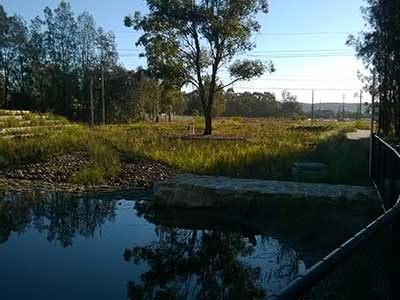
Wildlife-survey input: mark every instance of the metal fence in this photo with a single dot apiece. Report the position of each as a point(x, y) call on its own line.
point(368, 265)
point(385, 170)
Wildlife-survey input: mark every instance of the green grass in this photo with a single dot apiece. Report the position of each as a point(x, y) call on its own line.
point(271, 149)
point(104, 163)
point(10, 122)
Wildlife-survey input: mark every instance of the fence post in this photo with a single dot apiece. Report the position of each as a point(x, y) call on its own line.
point(371, 157)
point(372, 126)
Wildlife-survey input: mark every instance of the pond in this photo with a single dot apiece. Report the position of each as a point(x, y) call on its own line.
point(58, 246)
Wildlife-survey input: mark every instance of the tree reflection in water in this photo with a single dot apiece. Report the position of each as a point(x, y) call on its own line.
point(194, 264)
point(61, 216)
point(204, 255)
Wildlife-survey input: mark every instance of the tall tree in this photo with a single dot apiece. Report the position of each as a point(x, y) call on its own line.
point(21, 73)
point(5, 60)
point(380, 50)
point(13, 42)
point(37, 61)
point(86, 44)
point(253, 105)
point(289, 106)
point(107, 57)
point(189, 41)
point(146, 97)
point(171, 97)
point(61, 46)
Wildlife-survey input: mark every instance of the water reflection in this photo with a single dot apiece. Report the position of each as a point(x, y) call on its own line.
point(210, 264)
point(195, 265)
point(169, 255)
point(62, 218)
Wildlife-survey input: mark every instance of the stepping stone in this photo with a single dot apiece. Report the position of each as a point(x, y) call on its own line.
point(193, 191)
point(309, 166)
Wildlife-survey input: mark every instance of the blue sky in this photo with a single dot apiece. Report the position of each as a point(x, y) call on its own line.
point(292, 28)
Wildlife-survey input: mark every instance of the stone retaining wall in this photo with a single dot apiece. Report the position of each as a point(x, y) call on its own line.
point(192, 191)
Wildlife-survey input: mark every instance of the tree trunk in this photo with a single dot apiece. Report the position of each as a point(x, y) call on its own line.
point(208, 123)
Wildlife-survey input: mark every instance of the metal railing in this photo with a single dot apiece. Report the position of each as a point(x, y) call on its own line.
point(385, 170)
point(363, 263)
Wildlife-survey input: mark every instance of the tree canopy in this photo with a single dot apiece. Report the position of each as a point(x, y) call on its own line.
point(52, 63)
point(380, 50)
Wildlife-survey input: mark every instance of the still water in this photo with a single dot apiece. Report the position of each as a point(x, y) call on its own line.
point(55, 246)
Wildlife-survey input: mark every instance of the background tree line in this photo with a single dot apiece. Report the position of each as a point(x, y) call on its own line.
point(53, 63)
point(246, 104)
point(57, 62)
point(380, 50)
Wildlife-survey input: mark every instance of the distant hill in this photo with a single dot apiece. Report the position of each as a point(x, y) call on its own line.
point(348, 107)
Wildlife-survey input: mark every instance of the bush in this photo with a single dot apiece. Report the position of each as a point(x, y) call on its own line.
point(88, 177)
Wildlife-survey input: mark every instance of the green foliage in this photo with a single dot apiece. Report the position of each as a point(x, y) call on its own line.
point(268, 151)
point(171, 97)
point(199, 120)
point(379, 48)
point(253, 105)
point(11, 122)
point(146, 97)
point(88, 177)
point(289, 106)
point(48, 65)
point(248, 69)
point(347, 160)
point(104, 158)
point(104, 163)
point(188, 42)
point(246, 104)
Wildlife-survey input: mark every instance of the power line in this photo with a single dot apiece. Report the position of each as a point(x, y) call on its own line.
point(265, 51)
point(307, 33)
point(270, 54)
point(289, 52)
point(302, 56)
point(280, 33)
point(302, 50)
point(277, 56)
point(304, 80)
point(297, 89)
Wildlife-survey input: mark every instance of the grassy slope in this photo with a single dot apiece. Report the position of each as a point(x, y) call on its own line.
point(274, 146)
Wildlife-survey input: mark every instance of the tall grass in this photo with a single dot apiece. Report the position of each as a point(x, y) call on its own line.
point(104, 163)
point(269, 152)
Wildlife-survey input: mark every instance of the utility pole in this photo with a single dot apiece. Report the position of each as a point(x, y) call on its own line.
point(312, 109)
point(102, 95)
point(344, 98)
point(361, 96)
point(91, 101)
point(373, 102)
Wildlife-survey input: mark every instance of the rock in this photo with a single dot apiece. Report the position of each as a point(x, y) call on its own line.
point(59, 169)
point(309, 166)
point(192, 191)
point(301, 170)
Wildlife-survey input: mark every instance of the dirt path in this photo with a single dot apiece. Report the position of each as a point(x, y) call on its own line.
point(359, 135)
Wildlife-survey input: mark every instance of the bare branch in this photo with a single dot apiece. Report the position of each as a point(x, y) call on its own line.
point(226, 85)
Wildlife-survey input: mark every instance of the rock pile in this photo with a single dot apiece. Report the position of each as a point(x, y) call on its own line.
point(142, 173)
point(59, 170)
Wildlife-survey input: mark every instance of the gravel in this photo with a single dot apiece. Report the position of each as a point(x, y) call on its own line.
point(139, 172)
